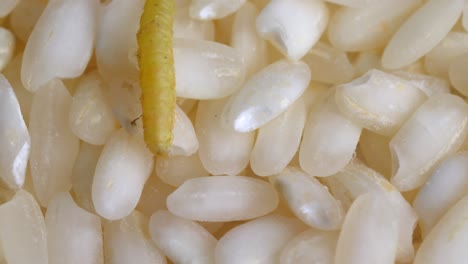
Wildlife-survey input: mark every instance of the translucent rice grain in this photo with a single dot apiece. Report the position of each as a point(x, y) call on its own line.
point(435, 130)
point(329, 140)
point(447, 185)
point(357, 179)
point(6, 6)
point(376, 152)
point(438, 60)
point(61, 44)
point(15, 143)
point(371, 221)
point(309, 199)
point(378, 101)
point(310, 247)
point(259, 241)
point(428, 84)
point(446, 243)
point(370, 27)
point(73, 235)
point(177, 169)
point(457, 74)
point(278, 141)
point(222, 199)
point(91, 117)
point(127, 241)
point(24, 17)
point(246, 41)
point(23, 231)
point(7, 47)
point(12, 73)
point(206, 69)
point(187, 27)
point(182, 240)
point(185, 142)
point(154, 196)
point(328, 65)
point(83, 174)
point(293, 35)
point(121, 172)
point(222, 150)
point(433, 21)
point(116, 38)
point(365, 61)
point(54, 147)
point(266, 95)
point(214, 9)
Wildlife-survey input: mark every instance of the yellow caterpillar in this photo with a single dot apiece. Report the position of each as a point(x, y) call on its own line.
point(157, 74)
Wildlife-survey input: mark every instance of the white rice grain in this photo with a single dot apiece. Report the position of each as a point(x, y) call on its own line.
point(246, 41)
point(222, 198)
point(309, 199)
point(73, 235)
point(127, 241)
point(435, 130)
point(293, 35)
point(23, 231)
point(15, 143)
point(278, 141)
point(59, 47)
point(54, 147)
point(371, 221)
point(432, 21)
point(206, 69)
point(378, 101)
point(187, 27)
point(369, 27)
point(259, 240)
point(181, 240)
point(266, 95)
point(329, 140)
point(438, 60)
point(91, 118)
point(446, 242)
point(447, 185)
point(311, 246)
point(214, 9)
point(357, 179)
point(222, 150)
point(121, 172)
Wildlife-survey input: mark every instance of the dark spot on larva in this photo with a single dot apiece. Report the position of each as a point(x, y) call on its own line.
point(133, 123)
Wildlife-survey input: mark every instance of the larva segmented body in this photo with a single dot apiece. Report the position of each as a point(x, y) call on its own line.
point(157, 74)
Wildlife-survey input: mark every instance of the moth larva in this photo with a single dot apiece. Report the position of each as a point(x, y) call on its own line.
point(157, 74)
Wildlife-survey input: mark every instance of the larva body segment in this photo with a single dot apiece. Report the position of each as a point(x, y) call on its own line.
point(157, 74)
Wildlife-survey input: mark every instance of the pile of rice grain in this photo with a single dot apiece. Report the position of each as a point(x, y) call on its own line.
point(307, 131)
